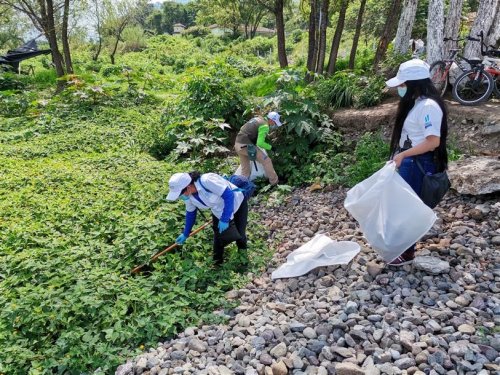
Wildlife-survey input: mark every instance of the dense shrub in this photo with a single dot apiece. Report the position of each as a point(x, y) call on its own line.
point(346, 89)
point(244, 67)
point(337, 91)
point(111, 69)
point(196, 31)
point(9, 81)
point(258, 46)
point(213, 92)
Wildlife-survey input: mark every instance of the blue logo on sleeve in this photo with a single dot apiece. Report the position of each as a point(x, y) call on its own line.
point(427, 121)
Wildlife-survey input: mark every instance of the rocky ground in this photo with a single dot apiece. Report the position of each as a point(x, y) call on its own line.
point(434, 317)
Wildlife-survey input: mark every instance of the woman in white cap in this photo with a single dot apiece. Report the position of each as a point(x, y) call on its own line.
point(420, 131)
point(254, 133)
point(228, 205)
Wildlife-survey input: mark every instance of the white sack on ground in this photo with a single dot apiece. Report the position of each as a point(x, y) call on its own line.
point(319, 252)
point(257, 169)
point(390, 214)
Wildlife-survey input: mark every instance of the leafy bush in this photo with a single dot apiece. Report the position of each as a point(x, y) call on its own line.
point(346, 89)
point(370, 91)
point(9, 81)
point(213, 92)
point(258, 46)
point(110, 69)
point(245, 69)
point(196, 31)
point(13, 104)
point(261, 85)
point(337, 91)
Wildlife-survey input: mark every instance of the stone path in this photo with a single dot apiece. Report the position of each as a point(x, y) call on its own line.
point(438, 316)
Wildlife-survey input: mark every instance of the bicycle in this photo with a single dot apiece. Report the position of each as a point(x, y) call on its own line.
point(440, 69)
point(476, 85)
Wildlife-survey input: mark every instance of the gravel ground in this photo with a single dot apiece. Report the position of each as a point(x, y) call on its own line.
point(440, 315)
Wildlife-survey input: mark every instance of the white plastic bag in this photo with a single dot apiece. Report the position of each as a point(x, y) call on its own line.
point(257, 169)
point(318, 252)
point(390, 214)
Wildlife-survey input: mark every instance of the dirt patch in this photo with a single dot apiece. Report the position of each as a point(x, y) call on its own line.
point(472, 130)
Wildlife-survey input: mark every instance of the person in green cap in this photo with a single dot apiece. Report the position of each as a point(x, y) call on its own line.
point(252, 134)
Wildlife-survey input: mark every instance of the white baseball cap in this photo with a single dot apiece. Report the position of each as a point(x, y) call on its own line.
point(410, 71)
point(177, 183)
point(275, 116)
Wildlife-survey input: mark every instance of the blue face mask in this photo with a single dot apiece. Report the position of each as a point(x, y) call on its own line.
point(402, 91)
point(184, 197)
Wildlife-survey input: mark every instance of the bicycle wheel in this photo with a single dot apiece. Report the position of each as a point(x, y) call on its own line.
point(471, 88)
point(496, 85)
point(439, 76)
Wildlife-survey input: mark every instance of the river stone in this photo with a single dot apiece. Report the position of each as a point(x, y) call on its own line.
point(467, 329)
point(348, 368)
point(197, 345)
point(431, 265)
point(279, 368)
point(279, 350)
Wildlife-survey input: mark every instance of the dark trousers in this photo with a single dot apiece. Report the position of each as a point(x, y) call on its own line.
point(240, 221)
point(412, 174)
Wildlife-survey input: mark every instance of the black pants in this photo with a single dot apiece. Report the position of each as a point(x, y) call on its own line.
point(240, 221)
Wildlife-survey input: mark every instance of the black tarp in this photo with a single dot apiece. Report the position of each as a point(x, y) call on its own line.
point(28, 50)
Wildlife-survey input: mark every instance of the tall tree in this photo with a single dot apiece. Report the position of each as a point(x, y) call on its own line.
point(334, 51)
point(44, 14)
point(452, 24)
point(435, 26)
point(276, 7)
point(98, 14)
point(405, 26)
point(484, 19)
point(119, 15)
point(318, 23)
point(388, 32)
point(323, 24)
point(493, 36)
point(312, 49)
point(357, 33)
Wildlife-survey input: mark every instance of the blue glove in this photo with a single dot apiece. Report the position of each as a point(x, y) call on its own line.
point(223, 226)
point(181, 239)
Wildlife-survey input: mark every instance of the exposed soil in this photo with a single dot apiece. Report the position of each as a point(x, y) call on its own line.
point(472, 130)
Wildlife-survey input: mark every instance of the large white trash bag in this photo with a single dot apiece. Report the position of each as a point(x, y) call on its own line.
point(390, 214)
point(257, 169)
point(318, 252)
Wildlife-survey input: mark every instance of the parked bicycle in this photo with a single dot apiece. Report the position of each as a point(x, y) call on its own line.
point(440, 70)
point(476, 85)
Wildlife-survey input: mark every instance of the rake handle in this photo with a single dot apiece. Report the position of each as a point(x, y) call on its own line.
point(171, 247)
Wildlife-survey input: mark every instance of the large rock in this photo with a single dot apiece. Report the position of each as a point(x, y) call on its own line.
point(475, 175)
point(431, 265)
point(347, 368)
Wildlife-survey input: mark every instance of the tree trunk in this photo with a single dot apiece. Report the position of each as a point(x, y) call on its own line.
point(280, 30)
point(494, 34)
point(47, 10)
point(435, 25)
point(323, 24)
point(99, 31)
point(336, 38)
point(483, 21)
point(405, 26)
point(64, 39)
point(452, 25)
point(389, 26)
point(115, 47)
point(312, 50)
point(355, 39)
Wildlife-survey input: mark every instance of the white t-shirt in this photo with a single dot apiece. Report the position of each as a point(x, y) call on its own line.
point(212, 199)
point(423, 120)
